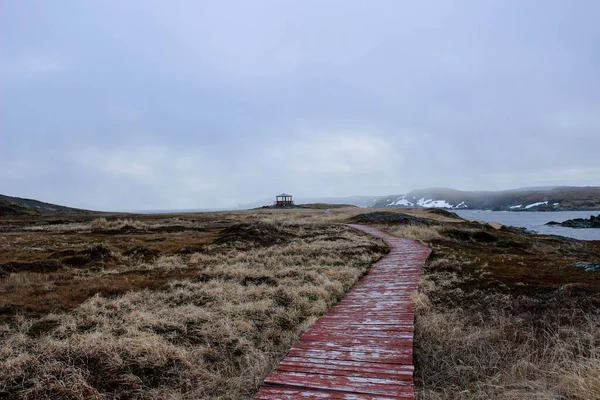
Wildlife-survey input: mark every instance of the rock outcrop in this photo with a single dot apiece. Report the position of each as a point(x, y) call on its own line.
point(591, 222)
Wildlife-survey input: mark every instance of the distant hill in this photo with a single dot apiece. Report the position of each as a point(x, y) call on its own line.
point(14, 206)
point(11, 209)
point(530, 199)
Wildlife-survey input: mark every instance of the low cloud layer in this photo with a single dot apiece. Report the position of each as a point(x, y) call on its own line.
point(149, 105)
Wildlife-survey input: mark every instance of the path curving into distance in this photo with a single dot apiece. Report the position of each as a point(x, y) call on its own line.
point(362, 348)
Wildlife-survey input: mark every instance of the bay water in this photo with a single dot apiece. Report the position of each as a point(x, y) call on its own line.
point(536, 220)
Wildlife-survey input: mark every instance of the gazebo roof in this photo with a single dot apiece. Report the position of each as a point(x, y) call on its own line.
point(284, 195)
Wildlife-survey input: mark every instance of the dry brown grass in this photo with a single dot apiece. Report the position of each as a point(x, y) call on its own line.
point(219, 320)
point(419, 233)
point(478, 336)
point(25, 282)
point(500, 315)
point(104, 224)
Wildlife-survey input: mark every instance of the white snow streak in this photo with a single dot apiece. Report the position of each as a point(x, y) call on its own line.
point(536, 204)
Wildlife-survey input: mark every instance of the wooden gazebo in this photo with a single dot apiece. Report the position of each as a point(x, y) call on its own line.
point(284, 200)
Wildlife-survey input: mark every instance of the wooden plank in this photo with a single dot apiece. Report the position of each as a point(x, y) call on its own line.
point(362, 310)
point(340, 383)
point(359, 341)
point(358, 327)
point(404, 372)
point(312, 368)
point(383, 335)
point(366, 320)
point(326, 320)
point(354, 364)
point(361, 348)
point(282, 393)
point(338, 372)
point(372, 356)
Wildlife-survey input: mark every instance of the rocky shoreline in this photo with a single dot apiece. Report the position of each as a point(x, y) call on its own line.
point(591, 222)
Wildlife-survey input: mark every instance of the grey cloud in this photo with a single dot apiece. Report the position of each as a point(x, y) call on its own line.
point(225, 102)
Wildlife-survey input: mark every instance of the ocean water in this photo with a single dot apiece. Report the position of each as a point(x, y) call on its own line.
point(535, 221)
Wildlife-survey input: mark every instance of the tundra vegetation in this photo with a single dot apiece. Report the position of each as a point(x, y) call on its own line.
point(199, 306)
point(501, 314)
point(205, 305)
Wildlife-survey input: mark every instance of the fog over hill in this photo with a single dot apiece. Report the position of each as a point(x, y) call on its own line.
point(531, 199)
point(544, 198)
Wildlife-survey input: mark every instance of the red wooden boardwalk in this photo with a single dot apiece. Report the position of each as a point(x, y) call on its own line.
point(362, 347)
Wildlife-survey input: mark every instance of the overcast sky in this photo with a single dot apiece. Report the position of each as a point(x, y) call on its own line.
point(153, 104)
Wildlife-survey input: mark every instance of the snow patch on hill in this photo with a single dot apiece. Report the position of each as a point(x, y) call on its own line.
point(430, 203)
point(566, 198)
point(539, 203)
point(403, 201)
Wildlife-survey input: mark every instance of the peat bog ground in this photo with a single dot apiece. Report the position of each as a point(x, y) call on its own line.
point(204, 305)
point(192, 306)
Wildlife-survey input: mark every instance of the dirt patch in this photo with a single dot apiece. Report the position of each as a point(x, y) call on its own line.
point(42, 327)
point(156, 229)
point(133, 230)
point(259, 280)
point(83, 257)
point(477, 236)
point(142, 253)
point(191, 250)
point(125, 229)
point(175, 229)
point(42, 266)
point(253, 234)
point(385, 217)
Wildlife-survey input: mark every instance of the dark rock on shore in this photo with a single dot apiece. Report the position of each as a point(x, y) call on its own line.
point(591, 222)
point(588, 266)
